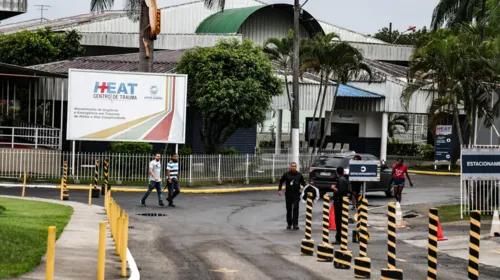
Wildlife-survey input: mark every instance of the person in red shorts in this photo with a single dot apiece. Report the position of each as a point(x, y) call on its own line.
point(399, 170)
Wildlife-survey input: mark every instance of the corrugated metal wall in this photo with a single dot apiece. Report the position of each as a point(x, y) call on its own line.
point(268, 23)
point(384, 51)
point(164, 41)
point(348, 35)
point(14, 5)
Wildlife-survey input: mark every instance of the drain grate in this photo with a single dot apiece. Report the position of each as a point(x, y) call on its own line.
point(152, 214)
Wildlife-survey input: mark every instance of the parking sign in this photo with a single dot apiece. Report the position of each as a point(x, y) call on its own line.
point(364, 171)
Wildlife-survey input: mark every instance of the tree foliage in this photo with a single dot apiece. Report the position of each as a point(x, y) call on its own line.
point(398, 38)
point(26, 48)
point(231, 85)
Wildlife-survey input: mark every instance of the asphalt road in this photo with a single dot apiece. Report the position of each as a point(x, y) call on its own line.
point(243, 236)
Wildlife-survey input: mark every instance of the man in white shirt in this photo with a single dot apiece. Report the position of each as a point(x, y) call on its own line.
point(154, 181)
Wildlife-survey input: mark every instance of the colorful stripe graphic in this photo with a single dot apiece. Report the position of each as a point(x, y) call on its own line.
point(154, 127)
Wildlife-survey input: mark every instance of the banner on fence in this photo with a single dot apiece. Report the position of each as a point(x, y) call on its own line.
point(364, 170)
point(126, 106)
point(480, 164)
point(444, 143)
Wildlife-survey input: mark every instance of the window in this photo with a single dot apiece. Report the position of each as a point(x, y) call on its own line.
point(331, 162)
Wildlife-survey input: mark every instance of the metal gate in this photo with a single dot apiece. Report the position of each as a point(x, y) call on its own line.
point(479, 179)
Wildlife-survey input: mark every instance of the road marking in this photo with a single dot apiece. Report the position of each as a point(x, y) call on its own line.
point(378, 207)
point(401, 260)
point(224, 270)
point(497, 250)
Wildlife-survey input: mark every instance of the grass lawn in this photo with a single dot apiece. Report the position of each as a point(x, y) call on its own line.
point(440, 168)
point(451, 213)
point(23, 233)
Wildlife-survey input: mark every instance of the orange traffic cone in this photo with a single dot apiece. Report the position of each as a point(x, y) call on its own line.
point(332, 218)
point(440, 233)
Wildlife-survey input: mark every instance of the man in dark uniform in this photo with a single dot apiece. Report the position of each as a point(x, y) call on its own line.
point(340, 189)
point(356, 189)
point(292, 179)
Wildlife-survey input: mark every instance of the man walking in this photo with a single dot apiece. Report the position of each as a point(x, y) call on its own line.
point(154, 180)
point(174, 185)
point(340, 189)
point(292, 179)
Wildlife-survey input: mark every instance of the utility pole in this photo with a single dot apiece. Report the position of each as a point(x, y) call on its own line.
point(295, 88)
point(41, 8)
point(390, 31)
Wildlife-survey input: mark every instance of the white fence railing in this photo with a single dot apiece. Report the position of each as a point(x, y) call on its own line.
point(481, 193)
point(123, 168)
point(29, 134)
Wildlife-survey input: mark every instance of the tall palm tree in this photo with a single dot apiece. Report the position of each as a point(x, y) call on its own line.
point(460, 76)
point(340, 60)
point(398, 124)
point(453, 12)
point(141, 11)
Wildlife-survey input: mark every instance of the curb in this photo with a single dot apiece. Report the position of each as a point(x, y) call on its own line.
point(435, 173)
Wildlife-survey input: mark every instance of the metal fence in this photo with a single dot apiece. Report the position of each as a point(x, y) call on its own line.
point(479, 194)
point(29, 134)
point(123, 168)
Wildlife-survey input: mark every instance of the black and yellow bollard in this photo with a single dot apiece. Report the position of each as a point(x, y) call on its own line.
point(65, 191)
point(391, 272)
point(433, 245)
point(362, 264)
point(343, 258)
point(325, 250)
point(96, 173)
point(475, 236)
point(307, 246)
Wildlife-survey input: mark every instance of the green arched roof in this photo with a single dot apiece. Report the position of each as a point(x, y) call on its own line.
point(230, 21)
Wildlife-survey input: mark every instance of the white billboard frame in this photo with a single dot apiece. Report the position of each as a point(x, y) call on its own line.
point(69, 118)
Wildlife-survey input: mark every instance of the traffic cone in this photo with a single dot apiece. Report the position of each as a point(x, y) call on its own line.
point(440, 233)
point(331, 221)
point(495, 225)
point(399, 216)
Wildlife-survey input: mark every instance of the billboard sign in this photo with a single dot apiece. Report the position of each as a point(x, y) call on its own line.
point(126, 106)
point(443, 147)
point(364, 171)
point(480, 164)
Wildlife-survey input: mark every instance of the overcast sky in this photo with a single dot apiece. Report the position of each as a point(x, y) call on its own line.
point(365, 16)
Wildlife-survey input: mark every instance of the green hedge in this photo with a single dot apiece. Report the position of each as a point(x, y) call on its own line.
point(411, 150)
point(130, 148)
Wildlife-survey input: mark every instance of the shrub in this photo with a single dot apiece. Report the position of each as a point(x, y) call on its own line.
point(427, 151)
point(130, 148)
point(185, 151)
point(229, 151)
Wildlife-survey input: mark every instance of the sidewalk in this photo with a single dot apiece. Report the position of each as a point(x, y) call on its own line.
point(77, 247)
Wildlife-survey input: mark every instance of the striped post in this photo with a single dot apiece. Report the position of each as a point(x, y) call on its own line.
point(391, 272)
point(362, 264)
point(307, 247)
point(325, 250)
point(105, 173)
point(343, 257)
point(356, 232)
point(96, 173)
point(433, 245)
point(65, 191)
point(475, 236)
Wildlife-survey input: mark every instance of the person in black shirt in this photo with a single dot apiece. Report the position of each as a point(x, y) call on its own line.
point(292, 180)
point(340, 189)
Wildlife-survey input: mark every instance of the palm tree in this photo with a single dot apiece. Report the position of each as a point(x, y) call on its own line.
point(141, 10)
point(398, 124)
point(453, 12)
point(460, 75)
point(337, 58)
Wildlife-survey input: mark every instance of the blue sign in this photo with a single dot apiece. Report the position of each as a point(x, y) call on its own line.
point(480, 164)
point(364, 171)
point(443, 146)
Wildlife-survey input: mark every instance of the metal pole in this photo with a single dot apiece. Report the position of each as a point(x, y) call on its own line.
point(62, 116)
point(73, 159)
point(295, 88)
point(29, 102)
point(14, 103)
point(8, 97)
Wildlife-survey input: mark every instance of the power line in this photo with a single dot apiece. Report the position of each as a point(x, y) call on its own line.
point(41, 8)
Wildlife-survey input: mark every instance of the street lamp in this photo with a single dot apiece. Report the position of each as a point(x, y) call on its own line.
point(411, 28)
